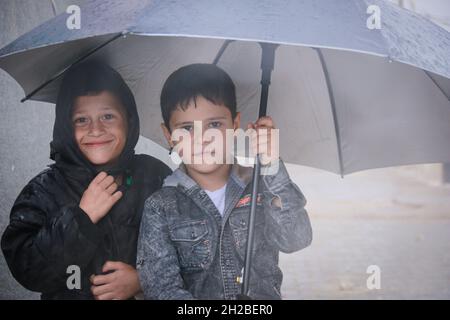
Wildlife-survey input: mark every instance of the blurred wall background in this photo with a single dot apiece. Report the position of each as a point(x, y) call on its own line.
point(395, 218)
point(25, 128)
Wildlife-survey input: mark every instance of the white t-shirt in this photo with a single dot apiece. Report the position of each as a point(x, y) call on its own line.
point(218, 198)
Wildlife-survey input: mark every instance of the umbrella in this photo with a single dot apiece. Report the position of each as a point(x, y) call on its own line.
point(346, 97)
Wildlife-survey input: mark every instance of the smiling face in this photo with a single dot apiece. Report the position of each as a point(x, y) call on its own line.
point(100, 127)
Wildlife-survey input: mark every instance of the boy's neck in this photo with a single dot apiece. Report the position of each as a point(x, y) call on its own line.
point(211, 181)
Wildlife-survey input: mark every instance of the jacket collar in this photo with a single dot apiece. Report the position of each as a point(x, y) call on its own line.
point(239, 175)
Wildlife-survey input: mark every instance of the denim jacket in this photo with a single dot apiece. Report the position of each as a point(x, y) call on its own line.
point(187, 250)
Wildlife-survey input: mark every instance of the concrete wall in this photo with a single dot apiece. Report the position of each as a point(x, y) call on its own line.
point(25, 128)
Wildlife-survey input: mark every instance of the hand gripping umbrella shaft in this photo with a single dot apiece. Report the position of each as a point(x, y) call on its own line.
point(267, 64)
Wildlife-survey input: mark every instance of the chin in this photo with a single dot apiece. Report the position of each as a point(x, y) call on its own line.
point(205, 168)
point(100, 160)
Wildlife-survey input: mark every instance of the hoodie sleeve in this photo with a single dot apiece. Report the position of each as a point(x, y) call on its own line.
point(287, 222)
point(157, 260)
point(42, 239)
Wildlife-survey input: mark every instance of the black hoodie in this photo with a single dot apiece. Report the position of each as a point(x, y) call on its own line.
point(48, 231)
point(86, 79)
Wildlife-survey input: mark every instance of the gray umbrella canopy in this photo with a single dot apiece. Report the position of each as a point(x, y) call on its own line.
point(346, 98)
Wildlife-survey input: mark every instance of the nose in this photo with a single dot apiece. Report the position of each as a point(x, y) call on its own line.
point(206, 139)
point(96, 128)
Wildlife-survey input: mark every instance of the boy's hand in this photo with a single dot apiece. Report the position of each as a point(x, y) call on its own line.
point(100, 196)
point(263, 141)
point(121, 284)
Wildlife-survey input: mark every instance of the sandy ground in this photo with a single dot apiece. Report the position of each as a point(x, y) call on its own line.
point(380, 217)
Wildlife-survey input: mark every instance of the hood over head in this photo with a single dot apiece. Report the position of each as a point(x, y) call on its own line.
point(90, 78)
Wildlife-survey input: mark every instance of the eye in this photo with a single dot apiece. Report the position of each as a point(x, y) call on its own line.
point(108, 116)
point(188, 128)
point(215, 124)
point(80, 121)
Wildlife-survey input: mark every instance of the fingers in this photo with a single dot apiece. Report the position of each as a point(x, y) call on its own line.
point(112, 188)
point(115, 197)
point(120, 284)
point(102, 279)
point(261, 139)
point(265, 122)
point(107, 296)
point(112, 265)
point(106, 182)
point(99, 178)
point(101, 290)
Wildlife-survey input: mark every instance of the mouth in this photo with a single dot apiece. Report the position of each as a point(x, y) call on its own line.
point(207, 153)
point(96, 144)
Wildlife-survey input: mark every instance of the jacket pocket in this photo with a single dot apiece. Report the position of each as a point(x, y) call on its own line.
point(192, 244)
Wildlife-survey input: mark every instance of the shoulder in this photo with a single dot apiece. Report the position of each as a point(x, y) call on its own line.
point(161, 196)
point(162, 200)
point(149, 173)
point(147, 163)
point(48, 179)
point(42, 189)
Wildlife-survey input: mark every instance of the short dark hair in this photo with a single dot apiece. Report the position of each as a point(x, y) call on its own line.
point(194, 80)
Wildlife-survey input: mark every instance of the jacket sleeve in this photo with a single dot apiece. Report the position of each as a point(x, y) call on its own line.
point(157, 260)
point(42, 239)
point(287, 222)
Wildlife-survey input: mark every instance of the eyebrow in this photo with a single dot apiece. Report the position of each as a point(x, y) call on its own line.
point(103, 108)
point(191, 122)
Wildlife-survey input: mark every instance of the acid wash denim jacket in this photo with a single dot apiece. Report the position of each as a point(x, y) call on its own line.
point(186, 250)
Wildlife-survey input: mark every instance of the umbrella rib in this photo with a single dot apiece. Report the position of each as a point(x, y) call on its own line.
point(221, 51)
point(437, 84)
point(59, 74)
point(53, 7)
point(333, 109)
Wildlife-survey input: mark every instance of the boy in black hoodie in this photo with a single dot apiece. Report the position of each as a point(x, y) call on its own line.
point(85, 209)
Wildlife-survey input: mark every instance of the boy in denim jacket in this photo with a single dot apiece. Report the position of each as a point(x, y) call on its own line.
point(194, 230)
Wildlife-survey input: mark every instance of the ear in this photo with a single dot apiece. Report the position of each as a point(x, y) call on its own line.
point(237, 121)
point(167, 134)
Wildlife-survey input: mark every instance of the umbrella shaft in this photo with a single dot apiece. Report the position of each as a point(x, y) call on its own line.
point(267, 64)
point(250, 235)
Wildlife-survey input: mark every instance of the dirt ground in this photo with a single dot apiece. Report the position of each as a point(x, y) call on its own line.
point(380, 217)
